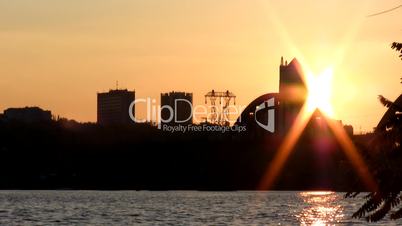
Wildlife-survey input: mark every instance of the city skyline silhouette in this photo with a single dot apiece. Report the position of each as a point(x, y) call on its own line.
point(200, 112)
point(195, 48)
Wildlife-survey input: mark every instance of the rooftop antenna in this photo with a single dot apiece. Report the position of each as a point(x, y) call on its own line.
point(117, 84)
point(220, 114)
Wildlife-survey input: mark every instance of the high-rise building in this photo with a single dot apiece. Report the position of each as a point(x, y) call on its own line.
point(283, 106)
point(113, 107)
point(292, 93)
point(176, 108)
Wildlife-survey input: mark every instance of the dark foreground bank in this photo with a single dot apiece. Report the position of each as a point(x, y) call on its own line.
point(68, 155)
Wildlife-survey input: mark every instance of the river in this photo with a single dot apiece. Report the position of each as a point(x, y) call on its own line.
point(178, 208)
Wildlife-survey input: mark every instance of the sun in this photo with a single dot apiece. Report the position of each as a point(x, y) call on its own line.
point(319, 92)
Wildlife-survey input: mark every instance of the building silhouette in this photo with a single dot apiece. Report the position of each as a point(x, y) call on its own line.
point(27, 115)
point(292, 93)
point(176, 108)
point(113, 107)
point(286, 104)
point(348, 129)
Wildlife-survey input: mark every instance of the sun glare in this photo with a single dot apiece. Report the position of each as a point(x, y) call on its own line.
point(319, 92)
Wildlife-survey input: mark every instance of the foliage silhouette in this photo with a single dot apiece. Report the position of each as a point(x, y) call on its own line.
point(398, 47)
point(385, 160)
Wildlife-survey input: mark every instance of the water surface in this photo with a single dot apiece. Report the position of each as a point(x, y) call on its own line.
point(177, 208)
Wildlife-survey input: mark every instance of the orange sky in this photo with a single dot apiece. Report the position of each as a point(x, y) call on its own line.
point(58, 54)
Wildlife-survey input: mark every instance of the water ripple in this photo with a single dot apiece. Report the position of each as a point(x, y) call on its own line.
point(177, 208)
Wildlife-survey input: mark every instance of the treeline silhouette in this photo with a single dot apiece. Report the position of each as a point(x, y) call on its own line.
point(384, 160)
point(65, 154)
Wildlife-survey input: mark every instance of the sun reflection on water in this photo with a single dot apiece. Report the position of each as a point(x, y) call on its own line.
point(320, 208)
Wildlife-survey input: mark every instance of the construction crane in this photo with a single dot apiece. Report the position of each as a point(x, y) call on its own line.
point(220, 113)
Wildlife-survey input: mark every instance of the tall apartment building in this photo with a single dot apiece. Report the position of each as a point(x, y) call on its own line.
point(113, 107)
point(292, 93)
point(180, 105)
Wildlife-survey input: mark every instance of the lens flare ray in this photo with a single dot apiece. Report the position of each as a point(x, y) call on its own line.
point(318, 98)
point(353, 155)
point(285, 149)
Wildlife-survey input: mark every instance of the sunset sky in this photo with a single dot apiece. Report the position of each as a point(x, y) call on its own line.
point(59, 54)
